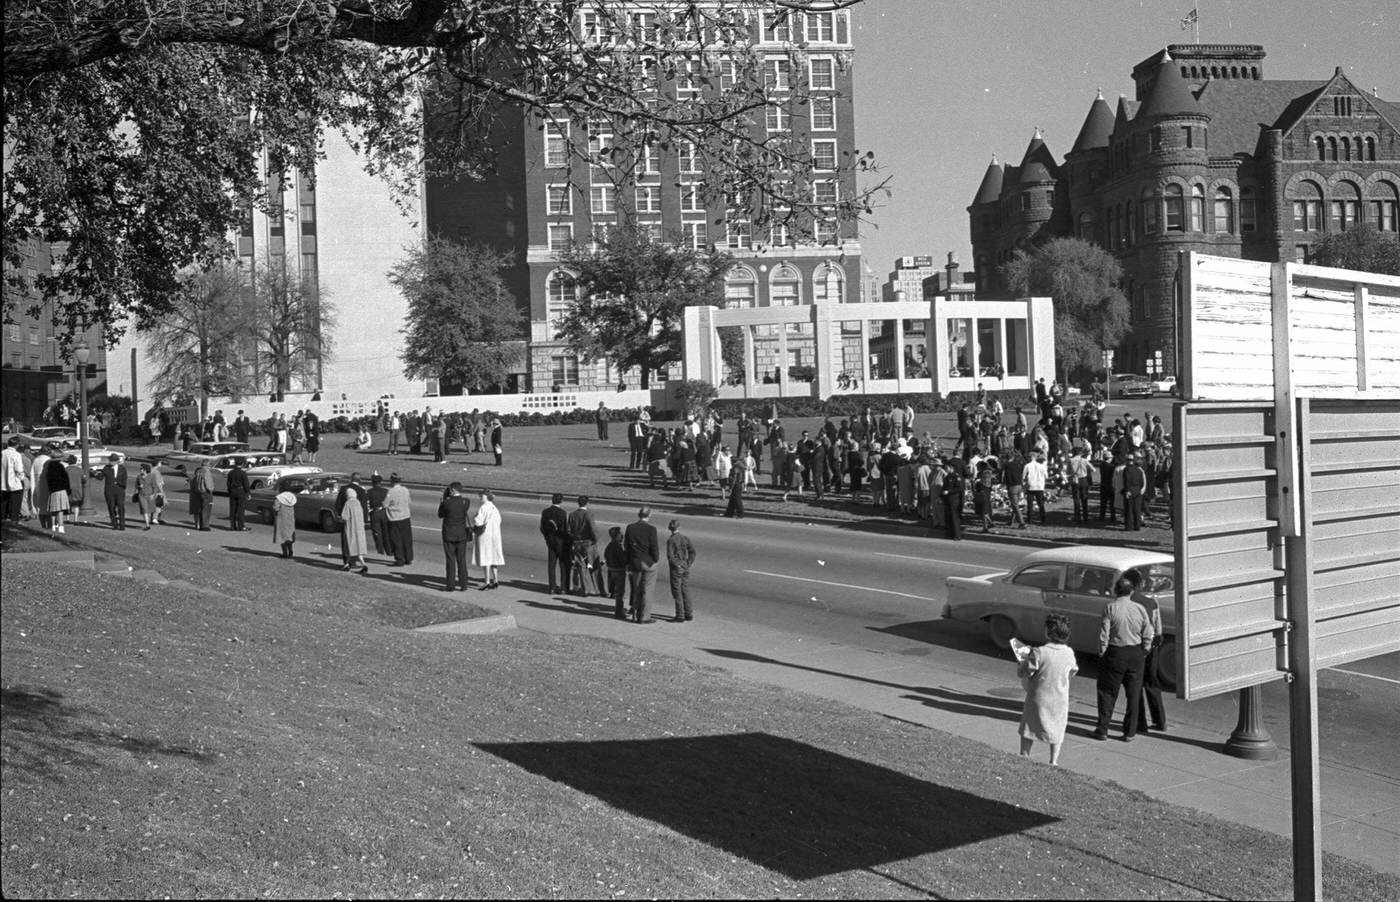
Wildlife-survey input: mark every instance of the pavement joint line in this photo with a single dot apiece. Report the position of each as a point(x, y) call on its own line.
point(930, 560)
point(1369, 676)
point(825, 582)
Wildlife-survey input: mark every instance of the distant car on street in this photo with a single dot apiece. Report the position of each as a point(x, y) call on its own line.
point(1126, 385)
point(316, 494)
point(262, 467)
point(184, 463)
point(1075, 580)
point(1165, 385)
point(39, 436)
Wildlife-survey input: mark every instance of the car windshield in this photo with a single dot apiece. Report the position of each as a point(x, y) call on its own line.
point(1158, 578)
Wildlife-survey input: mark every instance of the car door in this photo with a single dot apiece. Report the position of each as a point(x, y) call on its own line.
point(1026, 599)
point(1087, 588)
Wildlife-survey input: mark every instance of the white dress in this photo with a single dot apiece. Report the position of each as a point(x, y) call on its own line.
point(487, 550)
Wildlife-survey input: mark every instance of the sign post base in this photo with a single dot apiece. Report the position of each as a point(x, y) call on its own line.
point(1251, 740)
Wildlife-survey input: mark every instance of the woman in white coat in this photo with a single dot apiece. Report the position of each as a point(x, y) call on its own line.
point(487, 551)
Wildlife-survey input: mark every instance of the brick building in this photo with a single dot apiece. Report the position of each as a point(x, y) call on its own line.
point(541, 197)
point(1210, 156)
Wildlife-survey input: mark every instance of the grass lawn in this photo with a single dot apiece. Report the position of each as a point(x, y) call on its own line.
point(571, 460)
point(159, 740)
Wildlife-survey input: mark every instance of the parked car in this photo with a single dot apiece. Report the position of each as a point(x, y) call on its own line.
point(1076, 580)
point(316, 494)
point(184, 463)
point(39, 436)
point(1165, 385)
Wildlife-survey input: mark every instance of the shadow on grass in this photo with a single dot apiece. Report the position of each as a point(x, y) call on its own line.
point(785, 805)
point(42, 732)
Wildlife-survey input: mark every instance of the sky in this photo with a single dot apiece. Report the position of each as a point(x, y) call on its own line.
point(942, 85)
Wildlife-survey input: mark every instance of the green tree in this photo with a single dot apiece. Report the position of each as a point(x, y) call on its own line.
point(1091, 312)
point(631, 290)
point(196, 346)
point(1364, 248)
point(138, 134)
point(289, 321)
point(463, 322)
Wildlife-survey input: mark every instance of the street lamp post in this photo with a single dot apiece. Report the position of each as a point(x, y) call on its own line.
point(81, 353)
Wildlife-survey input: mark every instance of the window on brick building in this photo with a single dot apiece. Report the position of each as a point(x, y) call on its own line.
point(1150, 212)
point(1345, 207)
point(556, 144)
point(779, 117)
point(824, 155)
point(1383, 208)
point(1086, 227)
point(784, 287)
point(739, 236)
point(1175, 201)
point(1321, 143)
point(559, 200)
point(825, 231)
point(740, 288)
point(602, 199)
point(1189, 135)
point(1130, 224)
point(1301, 253)
point(560, 236)
point(823, 73)
point(1156, 139)
point(1307, 208)
point(823, 114)
point(1371, 149)
point(1224, 212)
point(561, 293)
point(1198, 208)
point(1249, 221)
point(693, 235)
point(563, 369)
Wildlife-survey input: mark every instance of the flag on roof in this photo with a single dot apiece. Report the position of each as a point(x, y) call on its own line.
point(1191, 18)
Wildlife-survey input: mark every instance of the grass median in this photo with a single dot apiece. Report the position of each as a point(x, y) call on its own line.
point(263, 739)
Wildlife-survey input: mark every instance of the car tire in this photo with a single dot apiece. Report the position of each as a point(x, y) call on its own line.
point(268, 516)
point(1166, 664)
point(1001, 630)
point(327, 521)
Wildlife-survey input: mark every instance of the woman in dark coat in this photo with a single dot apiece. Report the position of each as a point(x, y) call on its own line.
point(496, 435)
point(58, 485)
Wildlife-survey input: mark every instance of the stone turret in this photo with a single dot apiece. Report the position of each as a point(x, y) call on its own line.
point(1088, 167)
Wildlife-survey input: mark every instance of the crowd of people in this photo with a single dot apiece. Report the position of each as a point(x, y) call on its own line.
point(421, 431)
point(1000, 464)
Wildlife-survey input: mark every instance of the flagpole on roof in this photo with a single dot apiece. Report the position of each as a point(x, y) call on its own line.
point(1192, 20)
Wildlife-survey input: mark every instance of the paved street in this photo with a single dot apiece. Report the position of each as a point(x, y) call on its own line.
point(852, 615)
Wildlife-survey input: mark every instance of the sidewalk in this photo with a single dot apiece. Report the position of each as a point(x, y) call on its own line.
point(1361, 812)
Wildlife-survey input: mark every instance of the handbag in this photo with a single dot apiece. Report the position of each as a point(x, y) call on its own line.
point(478, 528)
point(160, 499)
point(135, 497)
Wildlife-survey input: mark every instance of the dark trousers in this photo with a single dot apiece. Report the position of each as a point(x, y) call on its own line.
point(1106, 505)
point(680, 592)
point(202, 506)
point(401, 540)
point(643, 584)
point(1132, 512)
point(736, 501)
point(1152, 692)
point(1081, 500)
point(1121, 666)
point(638, 453)
point(1035, 497)
point(952, 514)
point(617, 587)
point(393, 441)
point(379, 531)
point(558, 563)
point(602, 430)
point(116, 510)
point(13, 502)
point(456, 554)
point(1014, 494)
point(286, 549)
point(236, 504)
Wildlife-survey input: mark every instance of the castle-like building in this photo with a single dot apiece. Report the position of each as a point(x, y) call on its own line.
point(1208, 156)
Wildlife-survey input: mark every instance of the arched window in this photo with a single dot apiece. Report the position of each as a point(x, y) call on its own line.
point(1150, 212)
point(1130, 224)
point(1307, 207)
point(1224, 212)
point(1321, 147)
point(1346, 148)
point(1383, 206)
point(1370, 150)
point(1175, 208)
point(1249, 221)
point(562, 293)
point(1344, 208)
point(828, 284)
point(784, 286)
point(1198, 208)
point(1086, 227)
point(1332, 149)
point(740, 288)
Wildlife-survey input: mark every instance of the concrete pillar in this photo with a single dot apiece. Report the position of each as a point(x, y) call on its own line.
point(899, 354)
point(748, 361)
point(782, 360)
point(864, 353)
point(826, 365)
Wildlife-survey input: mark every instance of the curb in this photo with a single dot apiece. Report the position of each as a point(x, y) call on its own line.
point(497, 623)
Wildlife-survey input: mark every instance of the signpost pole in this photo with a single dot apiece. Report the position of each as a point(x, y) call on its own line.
point(1302, 689)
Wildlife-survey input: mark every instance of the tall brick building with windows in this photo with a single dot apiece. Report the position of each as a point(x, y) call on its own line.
point(541, 197)
point(1208, 156)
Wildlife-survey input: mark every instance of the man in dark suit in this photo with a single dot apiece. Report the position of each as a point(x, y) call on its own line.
point(114, 491)
point(453, 511)
point(600, 417)
point(237, 495)
point(643, 552)
point(637, 443)
point(1134, 484)
point(242, 428)
point(583, 546)
point(378, 517)
point(554, 526)
point(202, 497)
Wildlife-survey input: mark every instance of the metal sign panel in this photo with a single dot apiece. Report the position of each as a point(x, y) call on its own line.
point(1301, 446)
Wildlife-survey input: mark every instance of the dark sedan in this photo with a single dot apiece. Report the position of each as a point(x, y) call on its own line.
point(316, 494)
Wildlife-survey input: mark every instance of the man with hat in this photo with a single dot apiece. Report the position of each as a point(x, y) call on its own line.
point(398, 508)
point(114, 490)
point(237, 495)
point(378, 519)
point(1134, 485)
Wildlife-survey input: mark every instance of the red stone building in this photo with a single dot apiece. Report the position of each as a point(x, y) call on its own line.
point(1208, 156)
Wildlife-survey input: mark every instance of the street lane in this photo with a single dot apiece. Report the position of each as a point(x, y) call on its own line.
point(845, 588)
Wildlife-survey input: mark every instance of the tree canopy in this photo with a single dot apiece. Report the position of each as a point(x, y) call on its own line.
point(630, 290)
point(1091, 312)
point(1364, 248)
point(463, 325)
point(138, 134)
